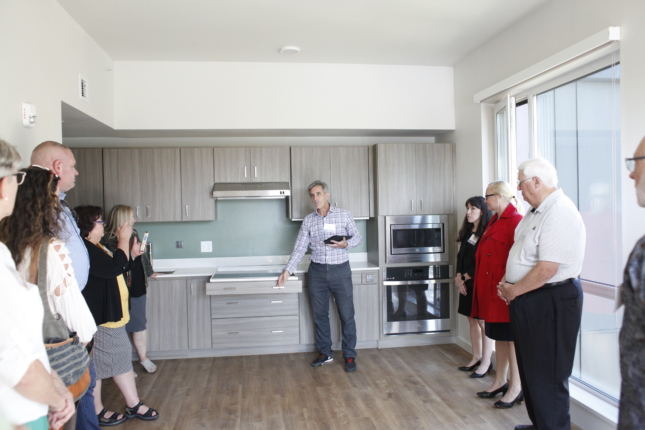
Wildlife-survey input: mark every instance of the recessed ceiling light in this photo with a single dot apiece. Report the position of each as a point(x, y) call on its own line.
point(289, 50)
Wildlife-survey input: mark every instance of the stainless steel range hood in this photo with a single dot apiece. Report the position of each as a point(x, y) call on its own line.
point(251, 190)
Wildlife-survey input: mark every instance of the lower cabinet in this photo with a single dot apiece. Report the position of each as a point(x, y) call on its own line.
point(366, 311)
point(199, 315)
point(249, 320)
point(167, 313)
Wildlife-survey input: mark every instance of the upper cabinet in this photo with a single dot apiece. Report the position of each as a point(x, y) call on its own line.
point(344, 169)
point(252, 164)
point(89, 182)
point(150, 180)
point(197, 178)
point(414, 179)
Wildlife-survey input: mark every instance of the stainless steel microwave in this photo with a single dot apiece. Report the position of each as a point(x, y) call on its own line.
point(416, 238)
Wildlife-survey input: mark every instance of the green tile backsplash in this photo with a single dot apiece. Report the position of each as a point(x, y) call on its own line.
point(244, 228)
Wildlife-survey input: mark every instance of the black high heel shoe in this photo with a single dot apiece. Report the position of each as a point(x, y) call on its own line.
point(502, 405)
point(470, 368)
point(490, 394)
point(481, 375)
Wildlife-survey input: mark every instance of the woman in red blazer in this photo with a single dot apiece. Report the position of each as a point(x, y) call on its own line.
point(490, 260)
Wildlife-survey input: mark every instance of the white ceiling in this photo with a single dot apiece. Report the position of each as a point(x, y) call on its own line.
point(403, 32)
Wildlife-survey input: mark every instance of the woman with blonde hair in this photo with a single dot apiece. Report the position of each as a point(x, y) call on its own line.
point(492, 253)
point(137, 279)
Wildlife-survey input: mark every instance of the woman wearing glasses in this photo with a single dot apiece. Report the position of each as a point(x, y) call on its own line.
point(108, 298)
point(29, 389)
point(137, 280)
point(492, 253)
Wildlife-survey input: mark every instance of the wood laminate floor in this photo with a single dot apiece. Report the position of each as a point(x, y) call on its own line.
point(398, 388)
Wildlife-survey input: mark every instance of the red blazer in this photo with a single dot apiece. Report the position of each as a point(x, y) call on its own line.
point(490, 266)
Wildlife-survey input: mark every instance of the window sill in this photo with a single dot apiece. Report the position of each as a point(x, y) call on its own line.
point(591, 410)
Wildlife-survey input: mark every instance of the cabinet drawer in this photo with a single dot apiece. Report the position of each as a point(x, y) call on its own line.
point(251, 287)
point(258, 331)
point(260, 305)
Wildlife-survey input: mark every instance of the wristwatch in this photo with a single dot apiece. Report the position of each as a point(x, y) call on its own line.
point(463, 278)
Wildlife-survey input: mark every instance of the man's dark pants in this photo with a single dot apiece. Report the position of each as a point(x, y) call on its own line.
point(86, 413)
point(336, 279)
point(545, 325)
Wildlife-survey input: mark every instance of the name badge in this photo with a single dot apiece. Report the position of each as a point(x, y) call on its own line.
point(329, 227)
point(473, 239)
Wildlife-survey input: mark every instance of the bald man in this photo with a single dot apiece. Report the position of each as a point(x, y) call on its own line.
point(632, 332)
point(60, 159)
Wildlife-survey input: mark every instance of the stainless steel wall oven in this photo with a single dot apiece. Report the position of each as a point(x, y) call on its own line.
point(417, 299)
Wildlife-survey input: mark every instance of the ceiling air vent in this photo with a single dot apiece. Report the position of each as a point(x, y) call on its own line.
point(82, 89)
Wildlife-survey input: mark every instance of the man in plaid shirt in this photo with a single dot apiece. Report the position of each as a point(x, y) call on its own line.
point(329, 271)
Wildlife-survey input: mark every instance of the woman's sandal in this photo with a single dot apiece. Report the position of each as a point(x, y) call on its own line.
point(132, 413)
point(149, 365)
point(112, 421)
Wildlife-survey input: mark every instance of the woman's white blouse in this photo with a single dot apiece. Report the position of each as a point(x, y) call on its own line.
point(63, 294)
point(21, 340)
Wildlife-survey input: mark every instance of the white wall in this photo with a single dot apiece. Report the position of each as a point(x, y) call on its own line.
point(554, 27)
point(201, 95)
point(42, 52)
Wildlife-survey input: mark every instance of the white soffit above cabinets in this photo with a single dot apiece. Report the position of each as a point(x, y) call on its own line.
point(397, 32)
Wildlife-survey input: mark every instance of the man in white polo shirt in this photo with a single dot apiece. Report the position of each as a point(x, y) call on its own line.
point(544, 294)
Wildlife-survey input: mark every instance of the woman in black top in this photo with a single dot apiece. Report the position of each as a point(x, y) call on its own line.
point(476, 220)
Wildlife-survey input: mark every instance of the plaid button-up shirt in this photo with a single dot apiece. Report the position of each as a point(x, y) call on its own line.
point(312, 235)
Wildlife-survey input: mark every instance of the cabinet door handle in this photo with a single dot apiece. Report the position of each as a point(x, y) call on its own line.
point(231, 303)
point(230, 288)
point(411, 205)
point(256, 171)
point(276, 301)
point(147, 211)
point(276, 287)
point(277, 331)
point(233, 332)
point(137, 211)
point(192, 290)
point(421, 206)
point(186, 210)
point(245, 171)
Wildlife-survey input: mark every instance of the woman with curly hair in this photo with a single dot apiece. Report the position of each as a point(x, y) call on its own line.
point(36, 217)
point(108, 297)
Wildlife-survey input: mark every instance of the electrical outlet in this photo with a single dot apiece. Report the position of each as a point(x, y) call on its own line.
point(180, 244)
point(207, 246)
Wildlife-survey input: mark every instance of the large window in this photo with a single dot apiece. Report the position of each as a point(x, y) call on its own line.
point(575, 125)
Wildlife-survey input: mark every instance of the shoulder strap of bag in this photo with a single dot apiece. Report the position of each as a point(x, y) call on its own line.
point(53, 325)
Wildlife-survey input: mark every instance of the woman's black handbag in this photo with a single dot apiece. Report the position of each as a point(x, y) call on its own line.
point(67, 356)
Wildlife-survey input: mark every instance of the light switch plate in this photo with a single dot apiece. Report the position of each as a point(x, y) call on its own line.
point(207, 246)
point(180, 244)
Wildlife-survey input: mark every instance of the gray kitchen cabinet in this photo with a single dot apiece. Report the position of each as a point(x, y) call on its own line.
point(434, 172)
point(344, 169)
point(270, 165)
point(414, 179)
point(396, 180)
point(366, 307)
point(199, 314)
point(350, 179)
point(167, 313)
point(161, 184)
point(252, 164)
point(121, 180)
point(197, 180)
point(88, 189)
point(232, 164)
point(255, 331)
point(307, 165)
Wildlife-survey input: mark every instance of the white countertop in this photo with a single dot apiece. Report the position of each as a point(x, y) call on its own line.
point(205, 267)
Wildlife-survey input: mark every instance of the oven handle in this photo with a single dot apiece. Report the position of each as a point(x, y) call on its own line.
point(417, 282)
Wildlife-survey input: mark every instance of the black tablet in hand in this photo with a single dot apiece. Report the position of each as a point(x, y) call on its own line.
point(336, 239)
